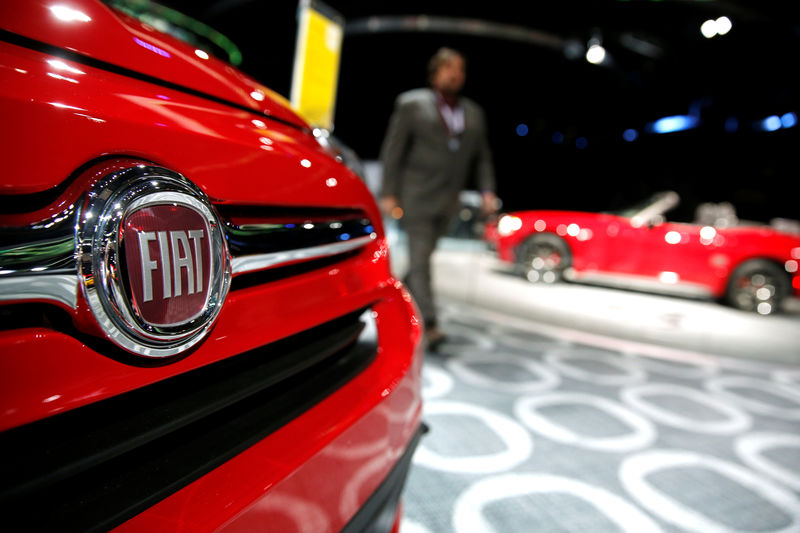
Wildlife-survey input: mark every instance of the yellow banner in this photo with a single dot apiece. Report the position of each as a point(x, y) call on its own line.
point(316, 63)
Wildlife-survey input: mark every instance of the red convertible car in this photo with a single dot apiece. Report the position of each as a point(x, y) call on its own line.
point(199, 330)
point(747, 265)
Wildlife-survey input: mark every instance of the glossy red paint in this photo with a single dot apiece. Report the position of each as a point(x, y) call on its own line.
point(641, 249)
point(148, 121)
point(96, 31)
point(315, 472)
point(84, 98)
point(82, 376)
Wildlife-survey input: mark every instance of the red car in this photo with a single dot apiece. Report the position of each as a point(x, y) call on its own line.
point(747, 265)
point(200, 331)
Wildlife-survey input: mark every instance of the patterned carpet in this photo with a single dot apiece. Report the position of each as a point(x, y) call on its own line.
point(539, 431)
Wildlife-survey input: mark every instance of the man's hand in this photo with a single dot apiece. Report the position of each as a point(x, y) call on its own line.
point(390, 207)
point(490, 203)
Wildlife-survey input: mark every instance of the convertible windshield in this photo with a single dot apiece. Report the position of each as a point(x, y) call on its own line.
point(665, 199)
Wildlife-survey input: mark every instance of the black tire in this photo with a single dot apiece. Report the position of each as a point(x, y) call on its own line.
point(758, 286)
point(543, 258)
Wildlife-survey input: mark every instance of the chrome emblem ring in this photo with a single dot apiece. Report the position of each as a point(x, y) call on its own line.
point(152, 260)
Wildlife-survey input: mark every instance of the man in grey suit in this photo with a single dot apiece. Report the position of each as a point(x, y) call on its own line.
point(435, 144)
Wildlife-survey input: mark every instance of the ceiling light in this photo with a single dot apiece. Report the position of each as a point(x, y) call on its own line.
point(595, 54)
point(724, 25)
point(712, 28)
point(709, 29)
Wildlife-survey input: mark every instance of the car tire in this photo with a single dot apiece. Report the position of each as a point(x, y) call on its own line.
point(759, 286)
point(543, 258)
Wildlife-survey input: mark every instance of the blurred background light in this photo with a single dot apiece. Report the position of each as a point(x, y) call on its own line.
point(712, 28)
point(508, 224)
point(581, 143)
point(709, 29)
point(558, 137)
point(573, 230)
point(724, 25)
point(707, 232)
point(789, 120)
point(672, 237)
point(732, 125)
point(670, 278)
point(630, 135)
point(674, 123)
point(522, 130)
point(573, 49)
point(772, 123)
point(596, 54)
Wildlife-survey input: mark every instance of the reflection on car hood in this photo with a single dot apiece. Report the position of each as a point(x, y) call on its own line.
point(96, 31)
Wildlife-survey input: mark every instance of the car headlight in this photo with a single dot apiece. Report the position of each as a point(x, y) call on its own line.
point(508, 224)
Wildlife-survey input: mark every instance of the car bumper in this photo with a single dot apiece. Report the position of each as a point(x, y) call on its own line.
point(337, 459)
point(340, 466)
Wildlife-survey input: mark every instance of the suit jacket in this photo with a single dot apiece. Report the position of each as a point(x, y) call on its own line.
point(419, 166)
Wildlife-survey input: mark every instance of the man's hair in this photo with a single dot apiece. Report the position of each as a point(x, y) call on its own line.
point(442, 55)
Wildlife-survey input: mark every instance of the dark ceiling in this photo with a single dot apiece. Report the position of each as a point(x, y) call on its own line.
point(653, 45)
point(521, 71)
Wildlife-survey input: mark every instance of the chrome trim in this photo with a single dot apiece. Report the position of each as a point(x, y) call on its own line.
point(252, 263)
point(39, 255)
point(38, 283)
point(370, 331)
point(37, 262)
point(272, 238)
point(79, 250)
point(101, 266)
point(59, 288)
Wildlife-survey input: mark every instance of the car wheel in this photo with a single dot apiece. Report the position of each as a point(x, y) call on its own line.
point(543, 258)
point(758, 286)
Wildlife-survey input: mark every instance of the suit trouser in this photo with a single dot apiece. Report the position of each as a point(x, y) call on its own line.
point(423, 233)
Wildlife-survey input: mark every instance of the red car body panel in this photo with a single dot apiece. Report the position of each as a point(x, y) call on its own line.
point(84, 98)
point(118, 40)
point(607, 244)
point(316, 471)
point(87, 96)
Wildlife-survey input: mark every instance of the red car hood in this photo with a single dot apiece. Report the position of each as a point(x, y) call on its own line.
point(94, 30)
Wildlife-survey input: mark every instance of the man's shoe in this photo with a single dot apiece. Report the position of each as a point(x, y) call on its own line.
point(434, 337)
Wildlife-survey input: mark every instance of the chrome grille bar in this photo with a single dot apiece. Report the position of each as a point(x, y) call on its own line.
point(43, 271)
point(59, 288)
point(253, 263)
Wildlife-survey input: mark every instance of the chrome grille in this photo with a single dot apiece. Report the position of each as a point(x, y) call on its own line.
point(38, 263)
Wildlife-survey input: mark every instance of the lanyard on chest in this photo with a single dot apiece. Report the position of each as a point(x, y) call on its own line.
point(453, 119)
